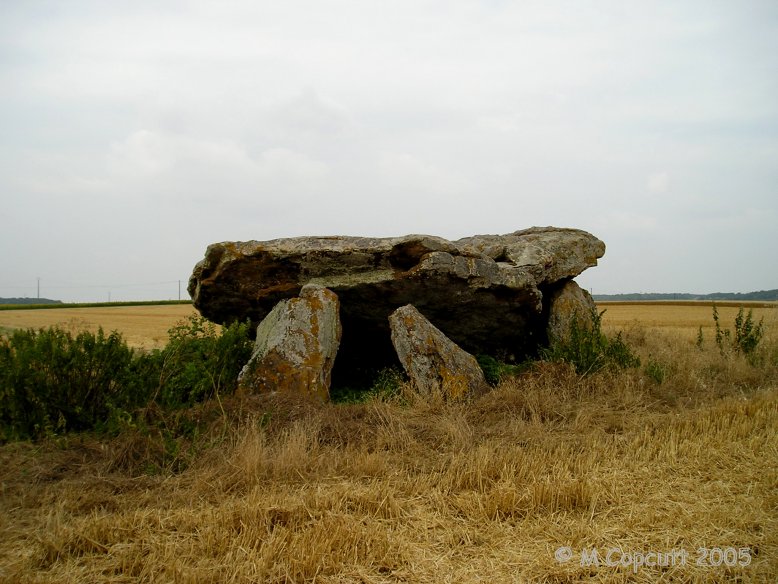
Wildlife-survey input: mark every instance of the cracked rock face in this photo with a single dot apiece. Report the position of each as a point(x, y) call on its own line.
point(483, 292)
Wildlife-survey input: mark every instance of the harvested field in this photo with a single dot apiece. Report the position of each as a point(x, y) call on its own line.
point(147, 326)
point(520, 485)
point(141, 326)
point(685, 318)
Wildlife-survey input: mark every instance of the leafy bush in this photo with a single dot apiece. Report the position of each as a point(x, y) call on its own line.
point(491, 368)
point(700, 339)
point(198, 363)
point(589, 350)
point(53, 382)
point(747, 333)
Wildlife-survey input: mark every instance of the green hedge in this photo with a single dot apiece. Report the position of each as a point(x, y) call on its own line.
point(53, 382)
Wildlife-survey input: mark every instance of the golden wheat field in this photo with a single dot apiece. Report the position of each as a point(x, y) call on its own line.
point(141, 326)
point(627, 476)
point(147, 326)
point(685, 318)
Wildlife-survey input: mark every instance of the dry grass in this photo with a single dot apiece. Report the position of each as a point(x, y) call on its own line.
point(416, 490)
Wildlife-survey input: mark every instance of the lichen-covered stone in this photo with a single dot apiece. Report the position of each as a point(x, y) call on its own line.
point(567, 304)
point(434, 363)
point(296, 346)
point(485, 292)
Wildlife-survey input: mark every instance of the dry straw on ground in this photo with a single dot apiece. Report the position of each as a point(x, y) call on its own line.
point(421, 491)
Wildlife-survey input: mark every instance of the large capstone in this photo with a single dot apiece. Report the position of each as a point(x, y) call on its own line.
point(486, 293)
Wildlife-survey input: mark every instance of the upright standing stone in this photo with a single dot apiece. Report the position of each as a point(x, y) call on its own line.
point(433, 362)
point(296, 346)
point(568, 304)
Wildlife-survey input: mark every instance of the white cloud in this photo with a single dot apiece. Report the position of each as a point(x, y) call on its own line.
point(204, 121)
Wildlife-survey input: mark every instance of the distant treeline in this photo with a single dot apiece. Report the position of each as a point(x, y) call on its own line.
point(764, 295)
point(29, 301)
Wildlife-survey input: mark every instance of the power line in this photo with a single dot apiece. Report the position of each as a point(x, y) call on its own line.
point(74, 286)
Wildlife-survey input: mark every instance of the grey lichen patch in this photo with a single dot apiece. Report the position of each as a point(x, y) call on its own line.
point(434, 363)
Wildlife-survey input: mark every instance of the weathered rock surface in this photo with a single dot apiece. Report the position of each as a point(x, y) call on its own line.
point(567, 304)
point(484, 292)
point(296, 346)
point(432, 361)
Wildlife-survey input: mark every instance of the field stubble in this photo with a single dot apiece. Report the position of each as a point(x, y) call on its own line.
point(416, 490)
point(685, 318)
point(141, 326)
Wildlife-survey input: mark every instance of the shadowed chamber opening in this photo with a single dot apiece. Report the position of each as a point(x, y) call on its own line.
point(365, 349)
point(497, 323)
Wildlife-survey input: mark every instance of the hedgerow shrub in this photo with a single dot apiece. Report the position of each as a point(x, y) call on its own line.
point(385, 385)
point(198, 362)
point(656, 370)
point(53, 382)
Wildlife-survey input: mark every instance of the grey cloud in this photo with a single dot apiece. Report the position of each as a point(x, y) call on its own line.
point(130, 128)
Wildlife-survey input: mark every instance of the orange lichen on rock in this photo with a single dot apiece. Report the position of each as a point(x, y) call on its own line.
point(434, 363)
point(296, 346)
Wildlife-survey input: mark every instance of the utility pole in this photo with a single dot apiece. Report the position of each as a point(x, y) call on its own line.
point(39, 288)
point(179, 289)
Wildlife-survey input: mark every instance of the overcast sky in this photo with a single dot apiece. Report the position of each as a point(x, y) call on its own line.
point(133, 134)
